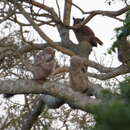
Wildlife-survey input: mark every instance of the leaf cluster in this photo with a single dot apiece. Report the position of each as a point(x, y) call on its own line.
point(123, 31)
point(115, 114)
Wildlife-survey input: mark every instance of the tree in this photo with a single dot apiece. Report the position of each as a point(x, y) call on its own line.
point(18, 52)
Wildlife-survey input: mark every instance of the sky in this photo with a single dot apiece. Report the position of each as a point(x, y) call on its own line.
point(102, 26)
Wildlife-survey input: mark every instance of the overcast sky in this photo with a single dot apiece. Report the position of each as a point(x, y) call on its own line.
point(102, 26)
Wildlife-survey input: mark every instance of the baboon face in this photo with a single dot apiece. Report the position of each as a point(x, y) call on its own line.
point(43, 64)
point(45, 56)
point(77, 20)
point(77, 62)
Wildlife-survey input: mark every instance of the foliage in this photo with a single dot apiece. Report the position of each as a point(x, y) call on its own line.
point(122, 31)
point(115, 114)
point(125, 88)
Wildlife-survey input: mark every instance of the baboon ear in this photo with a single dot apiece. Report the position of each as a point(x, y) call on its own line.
point(83, 19)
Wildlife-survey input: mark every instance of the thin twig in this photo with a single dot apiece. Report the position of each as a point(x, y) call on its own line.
point(58, 7)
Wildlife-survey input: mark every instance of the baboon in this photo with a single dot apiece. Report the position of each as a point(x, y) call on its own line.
point(78, 76)
point(42, 67)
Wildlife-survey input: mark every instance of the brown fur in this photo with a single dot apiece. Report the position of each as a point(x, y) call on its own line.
point(85, 33)
point(43, 65)
point(42, 68)
point(78, 77)
point(124, 50)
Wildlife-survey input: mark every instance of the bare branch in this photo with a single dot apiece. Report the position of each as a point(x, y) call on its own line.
point(112, 14)
point(77, 7)
point(10, 13)
point(67, 12)
point(57, 89)
point(109, 72)
point(31, 117)
point(41, 33)
point(115, 72)
point(97, 66)
point(58, 7)
point(41, 6)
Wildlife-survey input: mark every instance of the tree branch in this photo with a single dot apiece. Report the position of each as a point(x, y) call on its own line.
point(111, 14)
point(67, 12)
point(56, 89)
point(29, 119)
point(41, 33)
point(115, 72)
point(109, 72)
